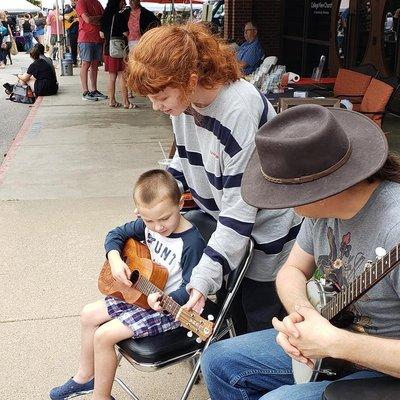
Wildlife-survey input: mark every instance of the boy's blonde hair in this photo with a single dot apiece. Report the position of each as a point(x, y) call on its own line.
point(156, 184)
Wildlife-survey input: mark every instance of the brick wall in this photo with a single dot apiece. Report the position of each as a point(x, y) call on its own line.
point(265, 13)
point(237, 13)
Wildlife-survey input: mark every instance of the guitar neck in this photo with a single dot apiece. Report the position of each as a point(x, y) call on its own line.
point(146, 287)
point(355, 289)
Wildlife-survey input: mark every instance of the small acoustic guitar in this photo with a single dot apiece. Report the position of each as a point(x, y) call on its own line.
point(148, 277)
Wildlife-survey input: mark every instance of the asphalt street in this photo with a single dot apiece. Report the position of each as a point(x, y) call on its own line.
point(12, 115)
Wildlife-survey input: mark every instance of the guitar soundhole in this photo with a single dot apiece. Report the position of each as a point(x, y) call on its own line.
point(134, 276)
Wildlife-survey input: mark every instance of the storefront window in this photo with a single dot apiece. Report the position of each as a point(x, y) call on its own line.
point(390, 27)
point(319, 20)
point(363, 29)
point(294, 17)
point(342, 31)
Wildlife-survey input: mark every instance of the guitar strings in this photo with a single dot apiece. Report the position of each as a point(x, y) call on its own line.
point(188, 318)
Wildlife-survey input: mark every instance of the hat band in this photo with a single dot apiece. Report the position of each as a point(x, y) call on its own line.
point(313, 177)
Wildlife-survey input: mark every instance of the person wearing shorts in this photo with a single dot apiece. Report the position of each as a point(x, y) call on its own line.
point(90, 46)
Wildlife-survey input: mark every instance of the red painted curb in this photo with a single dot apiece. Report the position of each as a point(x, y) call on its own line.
point(25, 128)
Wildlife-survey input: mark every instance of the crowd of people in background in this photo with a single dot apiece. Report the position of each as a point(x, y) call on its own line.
point(83, 29)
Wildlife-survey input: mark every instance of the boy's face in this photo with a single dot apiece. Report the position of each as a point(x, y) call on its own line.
point(162, 216)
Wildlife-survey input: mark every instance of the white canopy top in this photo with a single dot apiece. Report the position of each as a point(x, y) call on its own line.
point(150, 6)
point(18, 6)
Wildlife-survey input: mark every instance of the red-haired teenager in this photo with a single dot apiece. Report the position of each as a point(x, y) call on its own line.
point(188, 73)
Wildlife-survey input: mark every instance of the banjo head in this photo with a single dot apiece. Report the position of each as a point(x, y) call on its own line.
point(304, 374)
point(301, 372)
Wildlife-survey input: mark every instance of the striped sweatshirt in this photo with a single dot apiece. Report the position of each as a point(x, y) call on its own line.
point(214, 144)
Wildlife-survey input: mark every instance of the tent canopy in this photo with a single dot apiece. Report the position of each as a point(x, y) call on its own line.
point(18, 6)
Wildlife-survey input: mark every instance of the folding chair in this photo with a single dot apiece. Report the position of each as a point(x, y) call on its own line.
point(168, 348)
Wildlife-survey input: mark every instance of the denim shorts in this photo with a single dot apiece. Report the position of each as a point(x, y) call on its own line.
point(91, 51)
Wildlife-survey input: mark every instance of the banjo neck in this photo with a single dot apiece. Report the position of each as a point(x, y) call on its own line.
point(355, 289)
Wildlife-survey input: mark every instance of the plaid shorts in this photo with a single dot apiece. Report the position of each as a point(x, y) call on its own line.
point(141, 322)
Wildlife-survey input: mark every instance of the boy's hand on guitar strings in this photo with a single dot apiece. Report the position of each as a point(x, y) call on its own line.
point(154, 300)
point(121, 272)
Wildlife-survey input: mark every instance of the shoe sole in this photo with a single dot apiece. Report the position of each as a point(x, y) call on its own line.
point(77, 394)
point(95, 99)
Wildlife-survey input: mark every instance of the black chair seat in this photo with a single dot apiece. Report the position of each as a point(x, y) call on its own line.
point(385, 388)
point(165, 346)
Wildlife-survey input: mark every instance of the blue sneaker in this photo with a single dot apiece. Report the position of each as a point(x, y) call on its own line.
point(71, 389)
point(98, 95)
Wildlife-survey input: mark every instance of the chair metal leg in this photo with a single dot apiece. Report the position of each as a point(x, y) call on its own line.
point(126, 389)
point(122, 383)
point(192, 380)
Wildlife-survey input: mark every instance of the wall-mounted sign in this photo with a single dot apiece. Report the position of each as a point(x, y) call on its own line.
point(321, 7)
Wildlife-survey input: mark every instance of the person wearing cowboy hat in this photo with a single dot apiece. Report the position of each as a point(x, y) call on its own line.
point(333, 167)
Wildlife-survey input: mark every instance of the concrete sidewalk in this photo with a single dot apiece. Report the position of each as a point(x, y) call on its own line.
point(68, 180)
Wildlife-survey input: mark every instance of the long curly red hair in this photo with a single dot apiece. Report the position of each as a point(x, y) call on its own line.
point(170, 54)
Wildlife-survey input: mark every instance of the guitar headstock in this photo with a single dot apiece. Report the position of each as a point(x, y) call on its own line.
point(191, 320)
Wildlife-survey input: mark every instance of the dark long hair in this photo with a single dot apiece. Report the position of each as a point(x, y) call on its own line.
point(390, 170)
point(111, 9)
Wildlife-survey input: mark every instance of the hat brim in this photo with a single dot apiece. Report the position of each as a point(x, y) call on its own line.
point(369, 153)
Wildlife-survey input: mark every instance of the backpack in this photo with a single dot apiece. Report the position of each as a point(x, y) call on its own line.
point(22, 94)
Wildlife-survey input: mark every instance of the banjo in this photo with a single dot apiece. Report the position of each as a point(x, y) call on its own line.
point(331, 304)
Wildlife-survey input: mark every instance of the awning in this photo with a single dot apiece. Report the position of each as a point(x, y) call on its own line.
point(18, 6)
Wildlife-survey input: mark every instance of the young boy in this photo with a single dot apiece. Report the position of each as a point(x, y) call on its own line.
point(173, 243)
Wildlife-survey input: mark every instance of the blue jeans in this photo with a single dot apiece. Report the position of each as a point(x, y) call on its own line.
point(254, 366)
point(28, 41)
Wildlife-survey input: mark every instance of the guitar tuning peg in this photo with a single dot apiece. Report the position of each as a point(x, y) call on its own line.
point(198, 340)
point(210, 317)
point(190, 334)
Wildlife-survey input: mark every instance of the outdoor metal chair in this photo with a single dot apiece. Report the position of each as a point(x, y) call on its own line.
point(385, 388)
point(376, 99)
point(168, 348)
point(351, 85)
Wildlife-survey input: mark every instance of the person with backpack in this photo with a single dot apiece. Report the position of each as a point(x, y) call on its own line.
point(40, 76)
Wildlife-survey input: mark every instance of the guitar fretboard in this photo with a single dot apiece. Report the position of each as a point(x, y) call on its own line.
point(355, 289)
point(146, 287)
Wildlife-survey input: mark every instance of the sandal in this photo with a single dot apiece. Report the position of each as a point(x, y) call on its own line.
point(131, 106)
point(115, 105)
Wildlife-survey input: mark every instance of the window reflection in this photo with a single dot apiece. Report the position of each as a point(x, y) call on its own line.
point(342, 30)
point(364, 28)
point(390, 25)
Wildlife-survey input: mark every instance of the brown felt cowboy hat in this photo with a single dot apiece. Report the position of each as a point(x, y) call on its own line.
point(308, 153)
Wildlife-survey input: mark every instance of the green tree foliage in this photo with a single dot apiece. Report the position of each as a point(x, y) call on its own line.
point(36, 2)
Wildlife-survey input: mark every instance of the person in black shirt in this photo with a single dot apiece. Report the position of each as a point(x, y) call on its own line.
point(28, 26)
point(115, 66)
point(72, 28)
point(40, 75)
